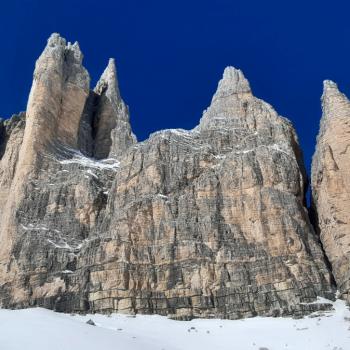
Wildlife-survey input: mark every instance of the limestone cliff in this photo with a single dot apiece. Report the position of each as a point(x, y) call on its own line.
point(331, 184)
point(203, 223)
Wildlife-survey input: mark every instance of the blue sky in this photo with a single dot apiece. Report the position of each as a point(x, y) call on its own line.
point(171, 54)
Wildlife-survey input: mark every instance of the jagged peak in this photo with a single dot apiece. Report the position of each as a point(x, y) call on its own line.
point(62, 58)
point(111, 67)
point(329, 84)
point(74, 50)
point(108, 82)
point(330, 87)
point(55, 48)
point(233, 82)
point(334, 103)
point(113, 133)
point(59, 48)
point(55, 39)
point(331, 91)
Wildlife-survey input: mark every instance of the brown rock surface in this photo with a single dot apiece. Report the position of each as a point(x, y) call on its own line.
point(331, 184)
point(203, 223)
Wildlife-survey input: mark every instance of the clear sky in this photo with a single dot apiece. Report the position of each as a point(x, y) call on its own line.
point(171, 54)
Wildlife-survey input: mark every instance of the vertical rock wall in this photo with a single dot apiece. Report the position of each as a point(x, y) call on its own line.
point(331, 184)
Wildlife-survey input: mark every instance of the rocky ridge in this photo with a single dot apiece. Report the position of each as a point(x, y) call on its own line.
point(209, 222)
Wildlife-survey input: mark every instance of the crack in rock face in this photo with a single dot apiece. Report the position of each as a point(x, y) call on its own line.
point(208, 222)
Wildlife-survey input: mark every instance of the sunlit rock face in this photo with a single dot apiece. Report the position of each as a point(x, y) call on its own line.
point(203, 223)
point(331, 184)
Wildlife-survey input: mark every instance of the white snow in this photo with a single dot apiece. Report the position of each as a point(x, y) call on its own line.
point(62, 245)
point(90, 172)
point(40, 329)
point(274, 147)
point(31, 227)
point(80, 159)
point(180, 132)
point(220, 156)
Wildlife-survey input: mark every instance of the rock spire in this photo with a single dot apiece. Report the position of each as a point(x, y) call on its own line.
point(331, 186)
point(113, 132)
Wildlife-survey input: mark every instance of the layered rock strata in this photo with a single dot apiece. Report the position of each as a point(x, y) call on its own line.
point(203, 223)
point(331, 184)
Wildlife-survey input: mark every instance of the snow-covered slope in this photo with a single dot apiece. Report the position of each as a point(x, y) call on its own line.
point(40, 329)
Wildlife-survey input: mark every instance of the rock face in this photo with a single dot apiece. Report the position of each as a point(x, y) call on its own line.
point(11, 133)
point(203, 223)
point(331, 184)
